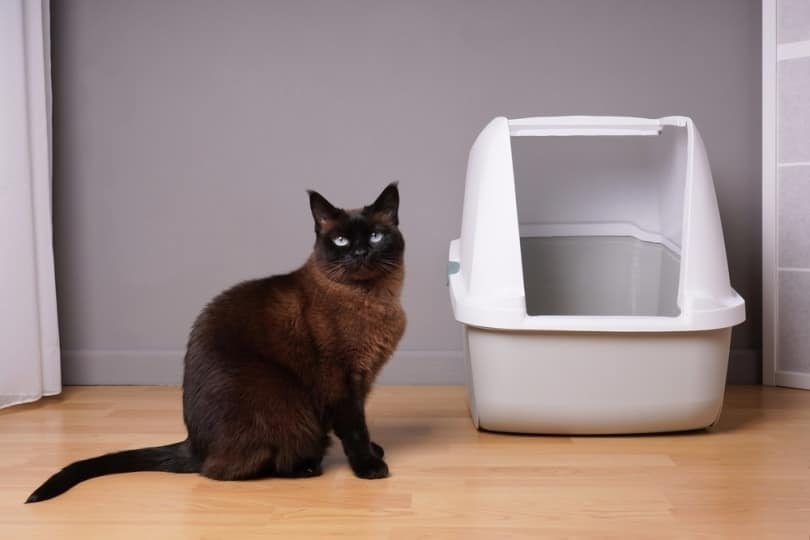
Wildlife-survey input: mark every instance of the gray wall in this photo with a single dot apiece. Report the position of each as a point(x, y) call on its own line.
point(187, 131)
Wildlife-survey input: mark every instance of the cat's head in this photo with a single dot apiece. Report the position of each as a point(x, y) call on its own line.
point(358, 245)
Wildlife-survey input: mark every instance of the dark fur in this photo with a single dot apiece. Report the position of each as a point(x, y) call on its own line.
point(273, 365)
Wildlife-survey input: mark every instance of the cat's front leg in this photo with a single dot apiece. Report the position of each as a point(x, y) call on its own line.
point(377, 450)
point(350, 426)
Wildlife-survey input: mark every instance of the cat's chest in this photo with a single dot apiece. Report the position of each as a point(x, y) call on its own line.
point(366, 330)
point(353, 335)
point(371, 323)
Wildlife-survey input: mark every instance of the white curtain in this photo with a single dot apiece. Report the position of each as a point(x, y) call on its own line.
point(29, 335)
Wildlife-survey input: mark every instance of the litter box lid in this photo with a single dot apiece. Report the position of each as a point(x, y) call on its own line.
point(485, 273)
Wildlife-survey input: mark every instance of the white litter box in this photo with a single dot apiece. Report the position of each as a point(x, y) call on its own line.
point(591, 277)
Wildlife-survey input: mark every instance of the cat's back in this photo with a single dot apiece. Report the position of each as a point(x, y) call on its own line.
point(238, 319)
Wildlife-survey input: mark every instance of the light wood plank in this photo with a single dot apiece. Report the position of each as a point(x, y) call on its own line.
point(747, 478)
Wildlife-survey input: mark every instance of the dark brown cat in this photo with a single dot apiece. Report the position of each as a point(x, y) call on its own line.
point(273, 365)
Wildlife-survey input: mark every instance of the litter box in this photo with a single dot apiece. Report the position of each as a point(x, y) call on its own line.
point(591, 277)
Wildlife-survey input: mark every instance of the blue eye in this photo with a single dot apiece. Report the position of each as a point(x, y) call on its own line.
point(375, 237)
point(340, 241)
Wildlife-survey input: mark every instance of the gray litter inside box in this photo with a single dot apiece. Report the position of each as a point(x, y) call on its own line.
point(599, 276)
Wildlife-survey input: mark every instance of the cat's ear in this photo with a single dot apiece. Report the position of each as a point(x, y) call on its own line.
point(387, 204)
point(322, 210)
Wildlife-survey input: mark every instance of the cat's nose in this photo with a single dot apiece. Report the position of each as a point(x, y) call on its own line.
point(359, 252)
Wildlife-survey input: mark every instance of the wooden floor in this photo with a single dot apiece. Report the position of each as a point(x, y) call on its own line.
point(750, 478)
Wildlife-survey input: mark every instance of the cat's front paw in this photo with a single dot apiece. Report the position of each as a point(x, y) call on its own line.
point(370, 469)
point(377, 450)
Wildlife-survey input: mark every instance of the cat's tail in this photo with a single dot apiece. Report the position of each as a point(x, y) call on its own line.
point(175, 457)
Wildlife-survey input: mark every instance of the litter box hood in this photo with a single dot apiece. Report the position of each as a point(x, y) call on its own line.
point(645, 180)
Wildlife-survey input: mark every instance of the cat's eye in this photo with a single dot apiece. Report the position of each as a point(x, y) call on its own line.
point(375, 237)
point(340, 241)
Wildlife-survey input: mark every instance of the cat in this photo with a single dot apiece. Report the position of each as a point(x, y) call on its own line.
point(274, 365)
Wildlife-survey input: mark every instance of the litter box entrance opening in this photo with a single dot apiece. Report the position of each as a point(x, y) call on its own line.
point(599, 275)
point(601, 221)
